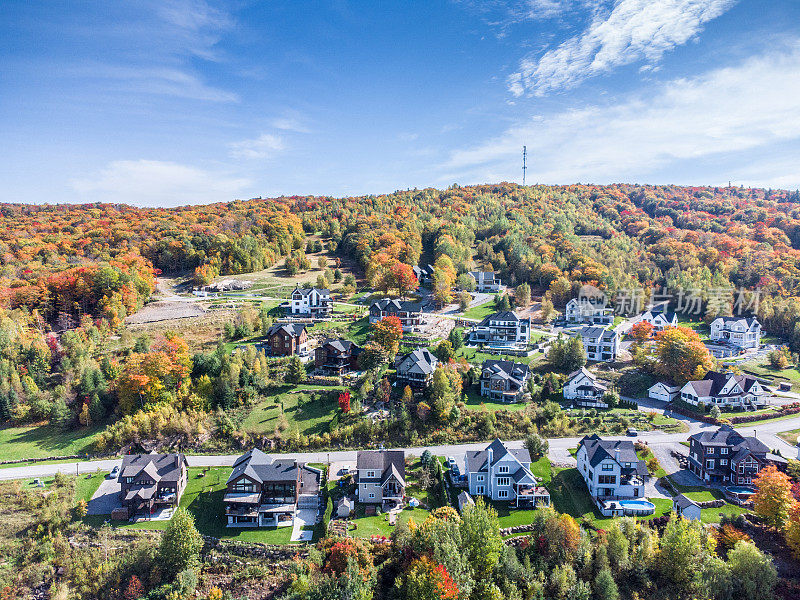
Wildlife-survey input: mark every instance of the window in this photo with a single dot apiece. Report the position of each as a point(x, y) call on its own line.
point(502, 469)
point(723, 450)
point(608, 467)
point(504, 481)
point(723, 462)
point(710, 463)
point(607, 479)
point(371, 495)
point(502, 494)
point(480, 477)
point(370, 474)
point(480, 490)
point(709, 451)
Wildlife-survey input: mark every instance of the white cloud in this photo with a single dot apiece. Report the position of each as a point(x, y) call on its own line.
point(290, 124)
point(633, 30)
point(263, 146)
point(719, 113)
point(157, 183)
point(194, 25)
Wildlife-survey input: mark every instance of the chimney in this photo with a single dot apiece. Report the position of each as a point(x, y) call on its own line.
point(616, 454)
point(177, 460)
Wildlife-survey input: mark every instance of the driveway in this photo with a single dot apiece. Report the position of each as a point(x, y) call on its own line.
point(105, 499)
point(303, 517)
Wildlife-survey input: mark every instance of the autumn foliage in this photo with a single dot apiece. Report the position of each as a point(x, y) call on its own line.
point(344, 401)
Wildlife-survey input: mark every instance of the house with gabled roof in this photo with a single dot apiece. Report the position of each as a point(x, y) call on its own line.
point(589, 311)
point(613, 473)
point(583, 388)
point(659, 316)
point(686, 508)
point(726, 390)
point(486, 281)
point(726, 456)
point(742, 332)
point(504, 380)
point(504, 474)
point(599, 343)
point(310, 302)
point(423, 273)
point(149, 482)
point(664, 391)
point(287, 339)
point(267, 492)
point(416, 368)
point(408, 311)
point(337, 357)
point(381, 476)
point(504, 329)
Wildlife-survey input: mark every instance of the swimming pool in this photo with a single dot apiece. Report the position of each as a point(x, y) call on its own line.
point(637, 507)
point(740, 490)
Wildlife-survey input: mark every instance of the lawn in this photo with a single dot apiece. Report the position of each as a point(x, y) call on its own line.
point(762, 368)
point(310, 416)
point(476, 357)
point(203, 498)
point(480, 311)
point(44, 441)
point(477, 402)
point(86, 485)
point(790, 437)
point(379, 524)
point(712, 515)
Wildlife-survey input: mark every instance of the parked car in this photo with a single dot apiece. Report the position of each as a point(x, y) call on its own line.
point(632, 432)
point(451, 462)
point(113, 473)
point(455, 470)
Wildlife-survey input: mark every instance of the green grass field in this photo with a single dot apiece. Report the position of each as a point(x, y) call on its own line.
point(379, 524)
point(481, 311)
point(310, 416)
point(790, 437)
point(762, 368)
point(86, 485)
point(43, 441)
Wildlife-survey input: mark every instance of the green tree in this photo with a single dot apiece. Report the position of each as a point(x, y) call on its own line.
point(480, 533)
point(536, 446)
point(466, 282)
point(685, 547)
point(456, 338)
point(464, 298)
point(522, 295)
point(754, 575)
point(444, 351)
point(295, 370)
point(180, 543)
point(605, 588)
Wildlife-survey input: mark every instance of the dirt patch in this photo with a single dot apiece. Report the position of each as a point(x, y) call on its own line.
point(201, 332)
point(164, 311)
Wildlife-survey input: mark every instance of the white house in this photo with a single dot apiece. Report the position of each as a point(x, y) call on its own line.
point(502, 330)
point(381, 476)
point(658, 316)
point(487, 281)
point(726, 390)
point(663, 391)
point(311, 302)
point(614, 475)
point(589, 311)
point(504, 380)
point(600, 344)
point(744, 332)
point(686, 508)
point(504, 474)
point(583, 389)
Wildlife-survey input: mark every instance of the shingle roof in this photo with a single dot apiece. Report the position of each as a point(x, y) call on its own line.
point(714, 381)
point(420, 361)
point(290, 329)
point(584, 371)
point(260, 467)
point(748, 321)
point(729, 437)
point(387, 462)
point(393, 305)
point(307, 291)
point(160, 467)
point(477, 460)
point(503, 315)
point(683, 502)
point(507, 369)
point(596, 331)
point(598, 449)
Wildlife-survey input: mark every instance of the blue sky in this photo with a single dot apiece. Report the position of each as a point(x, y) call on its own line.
point(175, 102)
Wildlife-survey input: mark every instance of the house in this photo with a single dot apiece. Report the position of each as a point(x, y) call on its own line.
point(416, 368)
point(380, 476)
point(337, 357)
point(584, 390)
point(504, 474)
point(345, 507)
point(686, 508)
point(266, 492)
point(726, 456)
point(504, 380)
point(589, 311)
point(664, 391)
point(726, 390)
point(600, 344)
point(743, 332)
point(423, 273)
point(310, 302)
point(287, 339)
point(659, 317)
point(614, 475)
point(409, 313)
point(149, 482)
point(486, 281)
point(502, 330)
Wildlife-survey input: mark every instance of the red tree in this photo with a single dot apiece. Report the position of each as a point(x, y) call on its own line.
point(641, 331)
point(344, 401)
point(403, 278)
point(135, 589)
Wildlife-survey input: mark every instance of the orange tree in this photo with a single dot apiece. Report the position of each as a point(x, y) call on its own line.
point(681, 355)
point(792, 532)
point(641, 332)
point(387, 333)
point(428, 580)
point(773, 497)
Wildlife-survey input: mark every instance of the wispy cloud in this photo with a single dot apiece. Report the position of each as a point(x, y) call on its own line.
point(715, 114)
point(195, 25)
point(264, 146)
point(633, 30)
point(157, 183)
point(293, 124)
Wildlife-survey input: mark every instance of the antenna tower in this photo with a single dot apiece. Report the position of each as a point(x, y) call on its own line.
point(524, 162)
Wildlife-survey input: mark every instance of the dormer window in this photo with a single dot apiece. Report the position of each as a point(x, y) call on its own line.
point(370, 473)
point(608, 467)
point(502, 469)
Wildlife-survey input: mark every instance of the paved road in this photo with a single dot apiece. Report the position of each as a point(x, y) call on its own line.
point(559, 448)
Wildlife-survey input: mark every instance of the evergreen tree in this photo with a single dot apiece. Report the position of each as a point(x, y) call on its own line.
point(180, 543)
point(295, 371)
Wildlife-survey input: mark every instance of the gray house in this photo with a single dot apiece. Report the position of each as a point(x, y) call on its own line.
point(150, 482)
point(416, 368)
point(381, 476)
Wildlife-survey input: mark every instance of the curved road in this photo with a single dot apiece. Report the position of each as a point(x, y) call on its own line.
point(559, 448)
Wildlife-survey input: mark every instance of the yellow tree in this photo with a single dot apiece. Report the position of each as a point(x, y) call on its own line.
point(387, 333)
point(681, 355)
point(773, 497)
point(444, 278)
point(792, 532)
